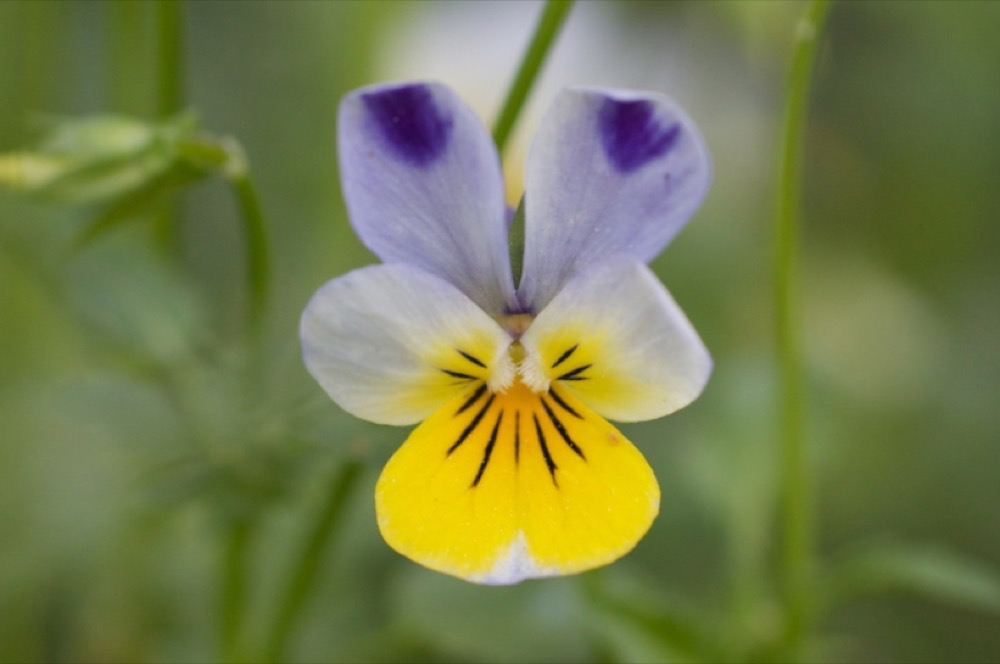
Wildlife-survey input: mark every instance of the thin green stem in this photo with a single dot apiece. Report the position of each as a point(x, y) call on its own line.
point(226, 156)
point(37, 31)
point(128, 57)
point(234, 587)
point(317, 539)
point(797, 499)
point(169, 101)
point(258, 261)
point(170, 56)
point(551, 22)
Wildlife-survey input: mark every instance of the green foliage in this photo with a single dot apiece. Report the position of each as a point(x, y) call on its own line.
point(928, 571)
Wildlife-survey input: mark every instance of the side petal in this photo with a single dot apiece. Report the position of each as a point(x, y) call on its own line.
point(609, 172)
point(616, 339)
point(423, 185)
point(497, 488)
point(391, 343)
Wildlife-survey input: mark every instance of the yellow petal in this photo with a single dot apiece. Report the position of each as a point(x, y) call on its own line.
point(499, 487)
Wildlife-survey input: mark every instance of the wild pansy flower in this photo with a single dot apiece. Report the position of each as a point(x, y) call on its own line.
point(513, 471)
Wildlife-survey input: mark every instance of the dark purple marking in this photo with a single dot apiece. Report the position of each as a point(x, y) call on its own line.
point(410, 123)
point(631, 134)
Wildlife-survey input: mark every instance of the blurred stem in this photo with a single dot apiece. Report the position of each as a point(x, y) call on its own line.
point(302, 577)
point(170, 55)
point(40, 32)
point(234, 587)
point(129, 39)
point(169, 99)
point(798, 531)
point(258, 270)
point(551, 22)
point(226, 156)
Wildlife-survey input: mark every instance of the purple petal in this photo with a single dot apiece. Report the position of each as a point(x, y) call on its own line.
point(609, 172)
point(423, 186)
point(409, 123)
point(631, 134)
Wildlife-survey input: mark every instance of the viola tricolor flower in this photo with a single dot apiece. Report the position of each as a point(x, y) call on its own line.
point(513, 471)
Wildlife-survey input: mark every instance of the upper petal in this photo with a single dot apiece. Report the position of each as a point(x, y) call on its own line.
point(391, 343)
point(423, 186)
point(619, 342)
point(609, 172)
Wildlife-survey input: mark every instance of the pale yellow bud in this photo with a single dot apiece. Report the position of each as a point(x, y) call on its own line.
point(28, 171)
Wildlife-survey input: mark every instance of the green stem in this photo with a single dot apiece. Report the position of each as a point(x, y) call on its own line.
point(127, 59)
point(798, 530)
point(169, 100)
point(226, 156)
point(38, 32)
point(255, 230)
point(170, 53)
point(302, 578)
point(234, 585)
point(553, 16)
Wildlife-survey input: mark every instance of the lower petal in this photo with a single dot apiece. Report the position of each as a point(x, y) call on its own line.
point(497, 488)
point(616, 339)
point(391, 343)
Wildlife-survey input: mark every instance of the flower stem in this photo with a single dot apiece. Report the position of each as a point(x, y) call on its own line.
point(234, 585)
point(169, 99)
point(303, 576)
point(129, 77)
point(257, 268)
point(797, 499)
point(225, 155)
point(169, 57)
point(551, 22)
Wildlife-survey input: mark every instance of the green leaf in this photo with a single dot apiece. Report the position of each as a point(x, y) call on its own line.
point(141, 199)
point(528, 622)
point(639, 625)
point(152, 318)
point(930, 571)
point(100, 178)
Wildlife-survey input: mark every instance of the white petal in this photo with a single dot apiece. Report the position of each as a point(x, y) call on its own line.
point(609, 172)
point(619, 342)
point(391, 343)
point(423, 186)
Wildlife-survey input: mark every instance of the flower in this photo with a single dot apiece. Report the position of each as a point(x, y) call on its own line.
point(513, 471)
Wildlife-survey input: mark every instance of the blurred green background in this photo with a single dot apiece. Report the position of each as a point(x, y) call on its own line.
point(148, 445)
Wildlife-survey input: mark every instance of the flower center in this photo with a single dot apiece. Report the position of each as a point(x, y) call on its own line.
point(516, 367)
